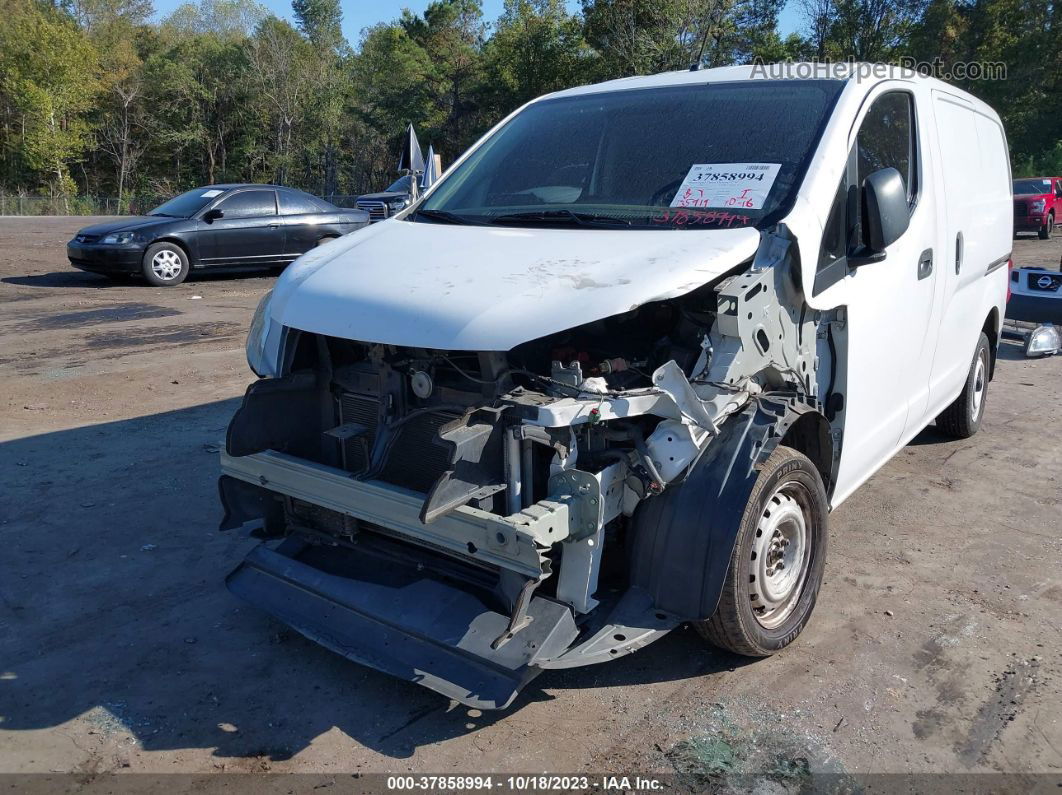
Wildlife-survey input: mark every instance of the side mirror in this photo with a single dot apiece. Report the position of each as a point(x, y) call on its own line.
point(213, 215)
point(887, 214)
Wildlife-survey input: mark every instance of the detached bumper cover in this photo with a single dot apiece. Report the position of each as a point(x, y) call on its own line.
point(403, 623)
point(409, 620)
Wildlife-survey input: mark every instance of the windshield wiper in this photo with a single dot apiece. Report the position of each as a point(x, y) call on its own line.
point(445, 217)
point(564, 216)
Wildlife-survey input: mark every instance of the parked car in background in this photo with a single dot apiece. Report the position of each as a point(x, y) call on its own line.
point(395, 198)
point(1037, 204)
point(214, 226)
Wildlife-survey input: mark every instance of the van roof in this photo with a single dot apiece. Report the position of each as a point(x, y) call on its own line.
point(865, 73)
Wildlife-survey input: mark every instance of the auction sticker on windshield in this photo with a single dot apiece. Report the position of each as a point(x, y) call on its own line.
point(727, 185)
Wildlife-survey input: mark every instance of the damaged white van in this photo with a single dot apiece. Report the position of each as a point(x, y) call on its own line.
point(614, 370)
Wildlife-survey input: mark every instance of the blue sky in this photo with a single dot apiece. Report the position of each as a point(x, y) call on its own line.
point(359, 14)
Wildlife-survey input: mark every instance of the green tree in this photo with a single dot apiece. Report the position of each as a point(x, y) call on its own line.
point(630, 36)
point(281, 78)
point(451, 34)
point(321, 21)
point(873, 30)
point(223, 18)
point(198, 87)
point(1026, 35)
point(92, 14)
point(49, 82)
point(647, 36)
point(537, 47)
point(96, 97)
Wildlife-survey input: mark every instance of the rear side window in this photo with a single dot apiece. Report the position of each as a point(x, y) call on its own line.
point(292, 203)
point(886, 139)
point(250, 204)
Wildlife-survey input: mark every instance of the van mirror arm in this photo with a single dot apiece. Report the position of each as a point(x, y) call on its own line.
point(865, 256)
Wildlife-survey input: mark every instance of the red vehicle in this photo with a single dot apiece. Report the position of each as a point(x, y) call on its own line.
point(1037, 204)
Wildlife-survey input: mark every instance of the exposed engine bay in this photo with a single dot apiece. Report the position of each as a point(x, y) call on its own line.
point(514, 477)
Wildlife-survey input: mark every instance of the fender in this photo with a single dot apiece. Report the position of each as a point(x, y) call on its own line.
point(683, 539)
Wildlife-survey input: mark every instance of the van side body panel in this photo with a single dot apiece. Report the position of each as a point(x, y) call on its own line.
point(978, 231)
point(907, 343)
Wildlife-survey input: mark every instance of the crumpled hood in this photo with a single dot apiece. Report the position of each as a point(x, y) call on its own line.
point(480, 288)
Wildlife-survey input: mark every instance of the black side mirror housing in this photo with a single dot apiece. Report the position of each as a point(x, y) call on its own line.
point(213, 215)
point(887, 214)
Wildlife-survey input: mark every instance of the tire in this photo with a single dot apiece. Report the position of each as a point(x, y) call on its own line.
point(963, 417)
point(165, 265)
point(788, 503)
point(1047, 228)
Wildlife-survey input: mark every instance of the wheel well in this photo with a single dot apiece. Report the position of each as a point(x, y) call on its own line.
point(991, 330)
point(180, 244)
point(810, 435)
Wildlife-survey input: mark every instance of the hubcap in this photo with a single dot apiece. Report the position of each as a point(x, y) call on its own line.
point(980, 371)
point(781, 552)
point(166, 265)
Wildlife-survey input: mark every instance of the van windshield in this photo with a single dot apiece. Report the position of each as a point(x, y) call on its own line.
point(695, 156)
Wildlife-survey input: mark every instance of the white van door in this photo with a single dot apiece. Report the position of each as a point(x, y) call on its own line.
point(975, 174)
point(889, 303)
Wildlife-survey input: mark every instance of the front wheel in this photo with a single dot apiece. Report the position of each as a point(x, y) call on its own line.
point(778, 561)
point(1047, 228)
point(963, 417)
point(165, 265)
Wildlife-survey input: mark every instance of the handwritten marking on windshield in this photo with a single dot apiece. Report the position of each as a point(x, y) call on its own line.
point(684, 217)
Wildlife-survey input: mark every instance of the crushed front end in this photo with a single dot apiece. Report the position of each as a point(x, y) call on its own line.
point(462, 519)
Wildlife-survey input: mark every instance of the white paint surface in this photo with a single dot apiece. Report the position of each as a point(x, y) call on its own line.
point(482, 288)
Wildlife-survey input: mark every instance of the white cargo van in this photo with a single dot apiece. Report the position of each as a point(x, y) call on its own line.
point(614, 370)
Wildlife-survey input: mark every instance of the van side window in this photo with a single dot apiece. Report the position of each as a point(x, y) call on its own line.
point(886, 139)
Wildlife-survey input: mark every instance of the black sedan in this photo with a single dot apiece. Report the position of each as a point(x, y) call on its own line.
point(214, 226)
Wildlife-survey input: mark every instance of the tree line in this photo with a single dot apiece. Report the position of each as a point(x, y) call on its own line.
point(98, 99)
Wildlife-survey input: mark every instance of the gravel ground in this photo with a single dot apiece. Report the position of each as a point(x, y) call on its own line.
point(935, 645)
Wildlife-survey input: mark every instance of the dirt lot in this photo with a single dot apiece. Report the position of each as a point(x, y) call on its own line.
point(935, 646)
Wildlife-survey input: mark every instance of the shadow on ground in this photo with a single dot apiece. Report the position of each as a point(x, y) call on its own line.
point(82, 279)
point(112, 607)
